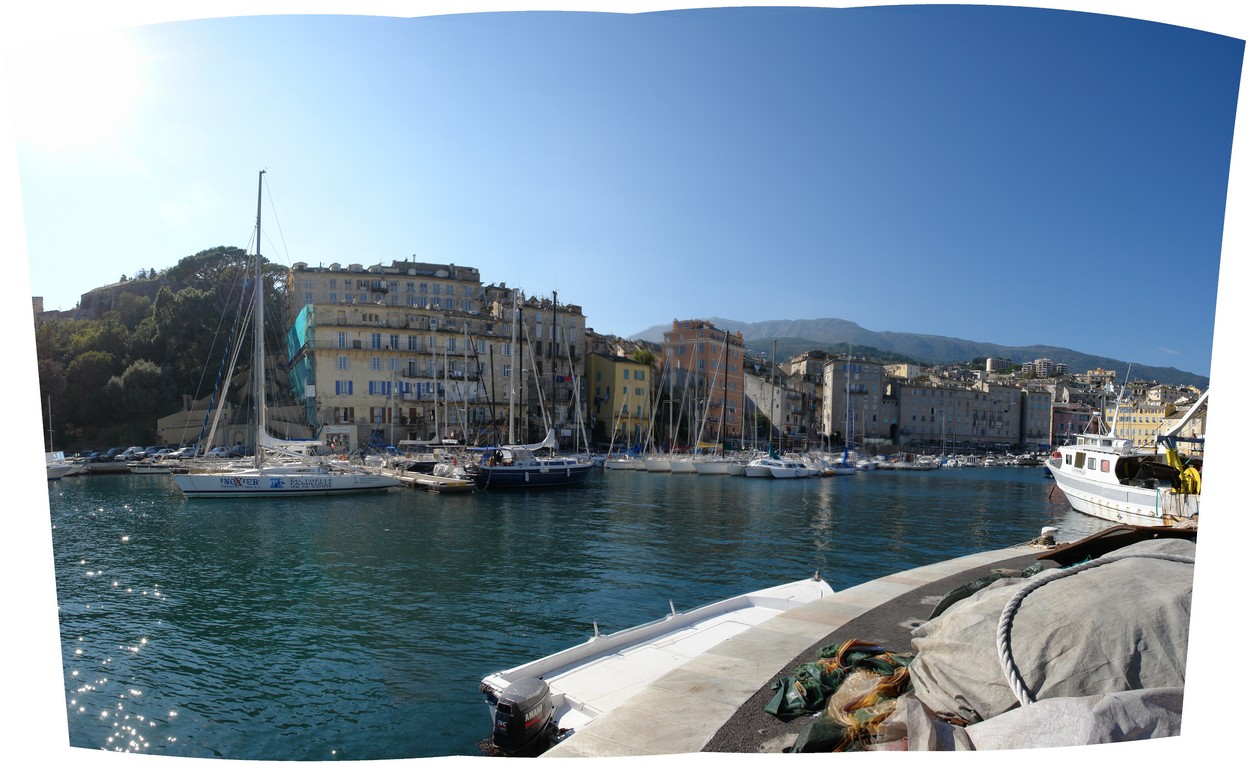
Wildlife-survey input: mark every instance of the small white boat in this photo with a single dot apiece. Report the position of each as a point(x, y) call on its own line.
point(534, 704)
point(761, 467)
point(57, 465)
point(712, 465)
point(150, 467)
point(657, 463)
point(681, 465)
point(623, 462)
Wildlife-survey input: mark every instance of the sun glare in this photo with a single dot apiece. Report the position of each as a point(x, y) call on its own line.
point(73, 93)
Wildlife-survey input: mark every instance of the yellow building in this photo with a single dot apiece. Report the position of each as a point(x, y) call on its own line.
point(1141, 420)
point(620, 400)
point(415, 351)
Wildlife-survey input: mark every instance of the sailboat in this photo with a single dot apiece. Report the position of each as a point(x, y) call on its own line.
point(845, 466)
point(521, 466)
point(294, 474)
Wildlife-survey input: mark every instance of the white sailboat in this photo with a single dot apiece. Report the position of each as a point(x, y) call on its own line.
point(296, 474)
point(845, 466)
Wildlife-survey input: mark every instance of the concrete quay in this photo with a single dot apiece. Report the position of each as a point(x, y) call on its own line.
point(715, 702)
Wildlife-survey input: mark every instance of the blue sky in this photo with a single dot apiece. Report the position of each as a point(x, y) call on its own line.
point(975, 172)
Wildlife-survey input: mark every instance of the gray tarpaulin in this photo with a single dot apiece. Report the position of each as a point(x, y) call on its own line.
point(1122, 626)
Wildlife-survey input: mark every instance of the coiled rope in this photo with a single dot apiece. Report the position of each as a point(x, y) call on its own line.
point(1022, 693)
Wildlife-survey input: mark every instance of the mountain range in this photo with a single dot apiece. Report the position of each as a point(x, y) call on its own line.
point(795, 336)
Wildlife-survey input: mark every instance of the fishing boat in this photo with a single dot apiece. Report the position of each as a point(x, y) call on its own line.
point(1106, 476)
point(279, 468)
point(534, 705)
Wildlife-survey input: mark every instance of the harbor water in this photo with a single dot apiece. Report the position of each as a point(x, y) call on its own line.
point(359, 627)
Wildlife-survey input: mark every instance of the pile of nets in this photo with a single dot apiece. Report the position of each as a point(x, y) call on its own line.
point(855, 683)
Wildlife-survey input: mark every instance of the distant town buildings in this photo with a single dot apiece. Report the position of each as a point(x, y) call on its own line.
point(416, 351)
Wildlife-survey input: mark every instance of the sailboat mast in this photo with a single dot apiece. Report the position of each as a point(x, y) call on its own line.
point(258, 335)
point(772, 401)
point(512, 373)
point(553, 359)
point(724, 396)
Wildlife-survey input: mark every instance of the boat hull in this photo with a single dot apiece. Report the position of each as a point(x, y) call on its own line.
point(711, 467)
point(252, 483)
point(592, 678)
point(531, 476)
point(657, 464)
point(1133, 505)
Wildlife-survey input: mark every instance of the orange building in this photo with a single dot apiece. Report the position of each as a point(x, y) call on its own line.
point(705, 368)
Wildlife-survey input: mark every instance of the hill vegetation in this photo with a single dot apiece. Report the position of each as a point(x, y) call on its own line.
point(107, 380)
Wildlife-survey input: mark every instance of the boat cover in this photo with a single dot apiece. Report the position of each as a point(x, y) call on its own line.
point(1118, 627)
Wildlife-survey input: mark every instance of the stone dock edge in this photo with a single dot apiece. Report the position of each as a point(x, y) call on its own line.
point(715, 702)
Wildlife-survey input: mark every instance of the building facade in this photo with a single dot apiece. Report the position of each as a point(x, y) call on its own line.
point(620, 401)
point(381, 374)
point(705, 382)
point(854, 407)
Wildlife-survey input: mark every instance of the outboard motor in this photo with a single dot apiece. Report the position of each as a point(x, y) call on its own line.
point(524, 718)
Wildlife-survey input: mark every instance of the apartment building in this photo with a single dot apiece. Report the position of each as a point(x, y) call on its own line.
point(553, 367)
point(982, 415)
point(704, 365)
point(383, 374)
point(855, 402)
point(406, 284)
point(425, 350)
point(1036, 404)
point(805, 374)
point(1141, 420)
point(620, 400)
point(781, 405)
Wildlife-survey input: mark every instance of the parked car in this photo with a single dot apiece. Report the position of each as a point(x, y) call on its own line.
point(133, 453)
point(221, 452)
point(107, 456)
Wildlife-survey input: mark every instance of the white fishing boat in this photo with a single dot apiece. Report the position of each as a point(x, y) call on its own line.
point(294, 473)
point(539, 702)
point(1106, 476)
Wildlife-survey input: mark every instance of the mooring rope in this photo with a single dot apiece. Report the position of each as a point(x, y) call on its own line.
point(1022, 693)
